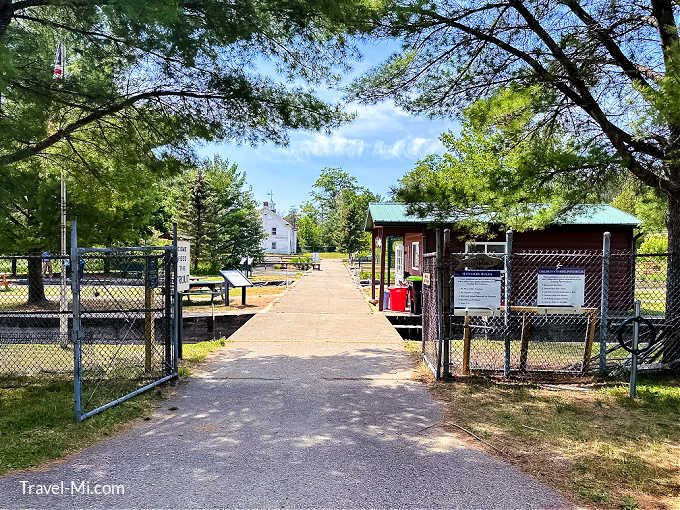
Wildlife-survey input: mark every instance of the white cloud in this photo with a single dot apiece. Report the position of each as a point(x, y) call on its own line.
point(408, 147)
point(323, 145)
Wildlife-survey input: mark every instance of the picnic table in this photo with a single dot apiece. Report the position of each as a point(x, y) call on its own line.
point(195, 286)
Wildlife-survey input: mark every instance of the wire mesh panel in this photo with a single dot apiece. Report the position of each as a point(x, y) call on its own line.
point(429, 315)
point(35, 317)
point(563, 342)
point(126, 320)
point(476, 342)
point(525, 335)
point(658, 291)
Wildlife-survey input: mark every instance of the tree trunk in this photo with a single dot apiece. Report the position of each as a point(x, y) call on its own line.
point(672, 323)
point(36, 287)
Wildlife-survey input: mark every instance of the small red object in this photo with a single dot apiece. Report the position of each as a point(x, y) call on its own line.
point(398, 298)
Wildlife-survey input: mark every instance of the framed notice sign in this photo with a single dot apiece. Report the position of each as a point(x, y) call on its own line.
point(477, 292)
point(561, 289)
point(183, 265)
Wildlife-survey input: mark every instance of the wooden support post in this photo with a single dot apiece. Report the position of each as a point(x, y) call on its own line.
point(466, 346)
point(383, 250)
point(524, 349)
point(372, 264)
point(590, 338)
point(389, 259)
point(243, 296)
point(226, 293)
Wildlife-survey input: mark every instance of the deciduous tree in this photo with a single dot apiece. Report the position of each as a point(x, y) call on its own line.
point(603, 77)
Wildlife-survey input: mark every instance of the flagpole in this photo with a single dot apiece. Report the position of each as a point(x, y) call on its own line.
point(63, 292)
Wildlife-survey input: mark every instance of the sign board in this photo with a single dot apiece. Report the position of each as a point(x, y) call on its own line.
point(183, 265)
point(477, 292)
point(426, 279)
point(236, 278)
point(151, 276)
point(561, 287)
point(246, 261)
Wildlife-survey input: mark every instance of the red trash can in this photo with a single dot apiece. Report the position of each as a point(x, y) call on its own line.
point(398, 298)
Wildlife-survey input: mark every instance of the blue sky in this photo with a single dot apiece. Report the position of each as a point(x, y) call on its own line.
point(378, 147)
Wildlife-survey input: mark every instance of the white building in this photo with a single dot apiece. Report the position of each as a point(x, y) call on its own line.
point(281, 236)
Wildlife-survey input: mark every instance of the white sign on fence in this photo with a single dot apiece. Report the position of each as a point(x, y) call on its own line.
point(183, 265)
point(476, 292)
point(561, 287)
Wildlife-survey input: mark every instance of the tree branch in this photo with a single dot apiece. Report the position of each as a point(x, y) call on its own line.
point(99, 114)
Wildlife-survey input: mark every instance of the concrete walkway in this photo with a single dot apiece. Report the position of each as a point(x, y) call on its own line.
point(312, 406)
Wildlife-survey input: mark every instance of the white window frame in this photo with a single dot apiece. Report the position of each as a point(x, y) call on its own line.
point(486, 245)
point(415, 259)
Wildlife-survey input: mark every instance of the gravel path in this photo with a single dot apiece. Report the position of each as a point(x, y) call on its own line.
point(312, 406)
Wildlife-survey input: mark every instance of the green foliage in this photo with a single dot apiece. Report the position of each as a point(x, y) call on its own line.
point(335, 218)
point(142, 82)
point(654, 243)
point(645, 203)
point(309, 228)
point(217, 210)
point(115, 202)
point(352, 207)
point(180, 70)
point(492, 169)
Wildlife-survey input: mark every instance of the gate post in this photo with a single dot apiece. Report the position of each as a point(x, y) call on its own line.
point(440, 307)
point(177, 322)
point(508, 296)
point(75, 327)
point(604, 301)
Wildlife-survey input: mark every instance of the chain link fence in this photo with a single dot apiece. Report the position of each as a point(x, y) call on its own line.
point(104, 318)
point(125, 322)
point(526, 336)
point(34, 317)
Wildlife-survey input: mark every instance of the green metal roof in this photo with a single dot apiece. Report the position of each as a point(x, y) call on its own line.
point(396, 213)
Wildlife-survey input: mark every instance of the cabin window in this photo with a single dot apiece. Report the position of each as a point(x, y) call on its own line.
point(273, 245)
point(415, 255)
point(273, 231)
point(485, 247)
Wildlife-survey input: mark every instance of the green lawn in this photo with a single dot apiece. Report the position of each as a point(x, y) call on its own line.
point(561, 356)
point(596, 446)
point(36, 414)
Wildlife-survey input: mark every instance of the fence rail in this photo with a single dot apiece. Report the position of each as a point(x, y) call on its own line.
point(523, 337)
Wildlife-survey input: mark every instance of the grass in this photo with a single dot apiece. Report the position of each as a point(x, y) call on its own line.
point(332, 255)
point(595, 446)
point(36, 415)
point(195, 354)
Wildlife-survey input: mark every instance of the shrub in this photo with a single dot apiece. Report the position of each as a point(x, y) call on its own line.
point(654, 243)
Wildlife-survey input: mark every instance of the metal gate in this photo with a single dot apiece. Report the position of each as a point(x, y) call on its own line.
point(124, 323)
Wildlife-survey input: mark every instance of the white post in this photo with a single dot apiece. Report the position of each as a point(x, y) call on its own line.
point(63, 292)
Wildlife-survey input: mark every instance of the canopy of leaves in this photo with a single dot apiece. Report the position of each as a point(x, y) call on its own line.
point(218, 211)
point(186, 69)
point(335, 217)
point(493, 168)
point(602, 75)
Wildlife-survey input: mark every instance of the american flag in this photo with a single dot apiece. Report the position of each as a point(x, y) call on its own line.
point(59, 63)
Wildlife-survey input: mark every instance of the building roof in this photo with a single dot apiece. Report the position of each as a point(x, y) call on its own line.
point(396, 213)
